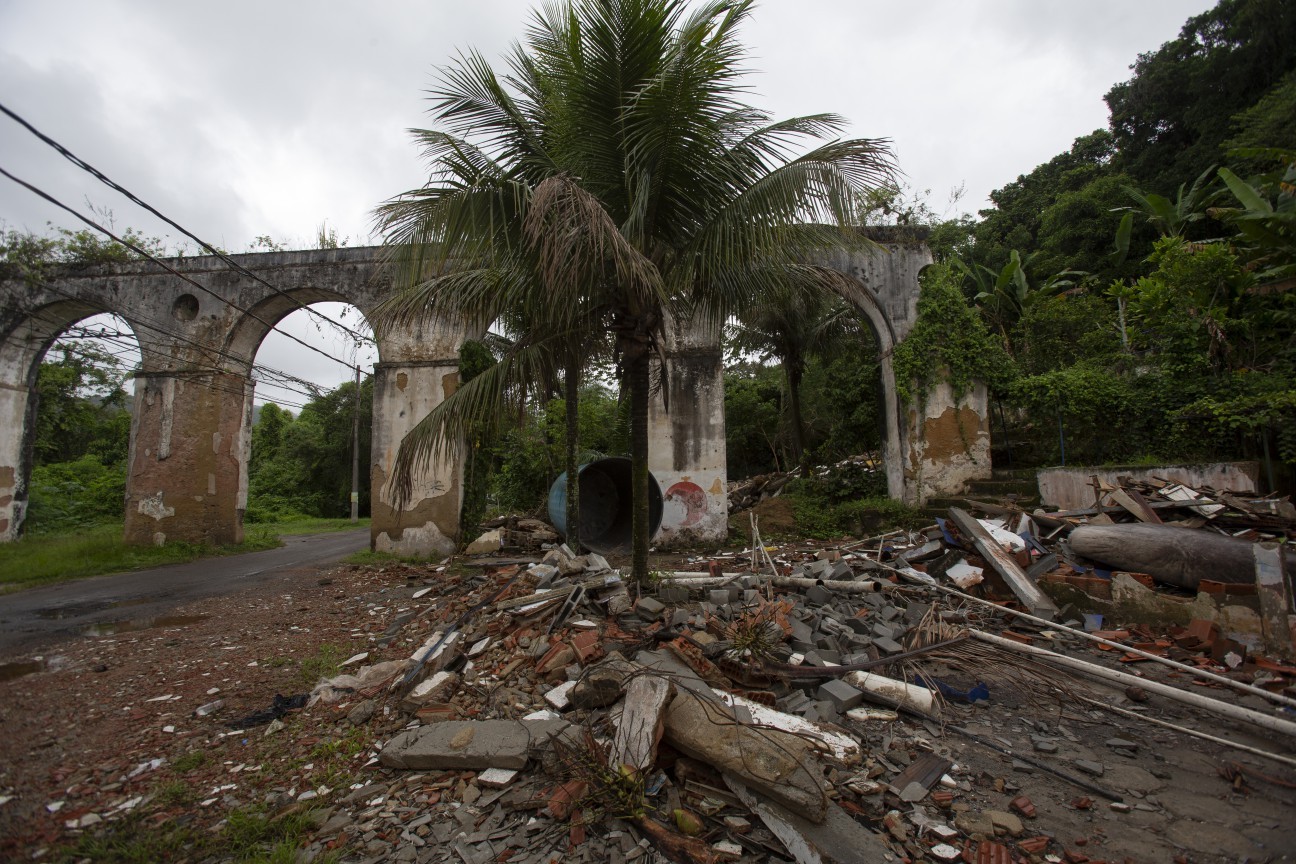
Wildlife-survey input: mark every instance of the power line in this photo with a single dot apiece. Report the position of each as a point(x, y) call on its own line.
point(112, 184)
point(312, 390)
point(137, 250)
point(152, 325)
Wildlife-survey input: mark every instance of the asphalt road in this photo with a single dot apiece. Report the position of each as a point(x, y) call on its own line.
point(128, 601)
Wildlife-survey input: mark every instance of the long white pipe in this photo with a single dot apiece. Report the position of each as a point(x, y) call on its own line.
point(1232, 745)
point(1196, 700)
point(1204, 674)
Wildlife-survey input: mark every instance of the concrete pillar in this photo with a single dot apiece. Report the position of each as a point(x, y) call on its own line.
point(686, 444)
point(948, 443)
point(15, 463)
point(404, 392)
point(190, 439)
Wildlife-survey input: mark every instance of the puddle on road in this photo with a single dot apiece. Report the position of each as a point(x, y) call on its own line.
point(10, 671)
point(132, 625)
point(76, 610)
point(19, 668)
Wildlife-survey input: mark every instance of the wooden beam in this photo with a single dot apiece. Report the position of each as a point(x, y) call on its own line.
point(1035, 600)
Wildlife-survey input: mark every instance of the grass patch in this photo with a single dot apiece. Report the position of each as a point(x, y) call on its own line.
point(189, 761)
point(134, 841)
point(42, 558)
point(306, 525)
point(248, 836)
point(323, 665)
point(367, 557)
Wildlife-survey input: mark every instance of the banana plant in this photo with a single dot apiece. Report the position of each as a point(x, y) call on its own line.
point(1266, 228)
point(1172, 218)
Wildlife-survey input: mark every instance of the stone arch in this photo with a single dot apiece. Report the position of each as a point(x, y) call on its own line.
point(23, 346)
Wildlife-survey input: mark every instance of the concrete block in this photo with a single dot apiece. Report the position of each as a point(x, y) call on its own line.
point(472, 745)
point(649, 608)
point(842, 695)
point(842, 571)
point(601, 684)
point(818, 595)
point(719, 596)
point(890, 646)
point(673, 594)
point(770, 761)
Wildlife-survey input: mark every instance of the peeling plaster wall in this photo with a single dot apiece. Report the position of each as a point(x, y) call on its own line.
point(686, 450)
point(187, 475)
point(429, 521)
point(13, 493)
point(948, 443)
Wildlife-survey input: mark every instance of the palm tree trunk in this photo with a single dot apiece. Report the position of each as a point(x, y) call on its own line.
point(798, 424)
point(571, 396)
point(637, 372)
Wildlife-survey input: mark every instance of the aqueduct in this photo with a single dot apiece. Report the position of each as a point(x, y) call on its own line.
point(191, 423)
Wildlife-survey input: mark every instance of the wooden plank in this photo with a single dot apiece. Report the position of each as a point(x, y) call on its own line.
point(1036, 601)
point(1136, 504)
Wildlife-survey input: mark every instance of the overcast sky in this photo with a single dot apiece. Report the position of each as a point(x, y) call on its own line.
point(240, 119)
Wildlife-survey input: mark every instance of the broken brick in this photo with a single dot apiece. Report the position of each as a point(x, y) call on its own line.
point(562, 799)
point(1023, 805)
point(1033, 845)
point(586, 645)
point(990, 852)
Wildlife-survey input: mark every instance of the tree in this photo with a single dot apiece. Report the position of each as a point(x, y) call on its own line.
point(793, 323)
point(616, 176)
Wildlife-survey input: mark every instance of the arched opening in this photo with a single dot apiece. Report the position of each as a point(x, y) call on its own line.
point(311, 422)
point(69, 375)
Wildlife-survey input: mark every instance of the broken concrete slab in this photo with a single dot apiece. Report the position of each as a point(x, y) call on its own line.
point(836, 839)
point(602, 683)
point(1036, 601)
point(469, 744)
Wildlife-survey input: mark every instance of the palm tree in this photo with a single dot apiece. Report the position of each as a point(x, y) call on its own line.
point(616, 176)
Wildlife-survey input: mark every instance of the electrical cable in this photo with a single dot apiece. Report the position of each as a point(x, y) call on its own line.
point(314, 389)
point(112, 184)
point(141, 252)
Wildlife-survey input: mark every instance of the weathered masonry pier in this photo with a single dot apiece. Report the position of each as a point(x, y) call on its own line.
point(191, 428)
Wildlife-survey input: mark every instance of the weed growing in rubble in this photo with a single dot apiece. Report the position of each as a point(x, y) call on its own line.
point(189, 761)
point(754, 636)
point(323, 665)
point(134, 841)
point(176, 793)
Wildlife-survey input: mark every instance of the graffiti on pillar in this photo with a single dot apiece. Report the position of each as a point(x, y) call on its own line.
point(684, 504)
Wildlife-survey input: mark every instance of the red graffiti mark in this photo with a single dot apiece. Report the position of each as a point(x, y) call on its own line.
point(691, 497)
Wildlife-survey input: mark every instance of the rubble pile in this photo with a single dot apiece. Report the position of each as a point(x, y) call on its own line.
point(807, 704)
point(970, 692)
point(745, 494)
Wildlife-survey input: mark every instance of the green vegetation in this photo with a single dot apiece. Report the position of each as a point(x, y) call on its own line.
point(97, 548)
point(248, 836)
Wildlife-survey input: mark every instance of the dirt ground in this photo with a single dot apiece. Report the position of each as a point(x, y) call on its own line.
point(103, 758)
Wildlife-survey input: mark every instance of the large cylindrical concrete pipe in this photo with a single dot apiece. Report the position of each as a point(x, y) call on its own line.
point(605, 505)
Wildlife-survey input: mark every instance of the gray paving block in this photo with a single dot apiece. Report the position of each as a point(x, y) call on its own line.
point(649, 608)
point(818, 595)
point(843, 696)
point(890, 646)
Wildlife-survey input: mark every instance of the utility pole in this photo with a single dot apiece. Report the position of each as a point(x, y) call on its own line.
point(355, 451)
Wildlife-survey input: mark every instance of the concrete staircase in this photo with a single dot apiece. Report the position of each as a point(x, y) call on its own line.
point(1018, 487)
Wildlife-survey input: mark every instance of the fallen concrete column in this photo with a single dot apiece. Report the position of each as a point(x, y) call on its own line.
point(1176, 556)
point(780, 765)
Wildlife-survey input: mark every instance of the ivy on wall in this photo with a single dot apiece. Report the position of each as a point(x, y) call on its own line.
point(949, 342)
